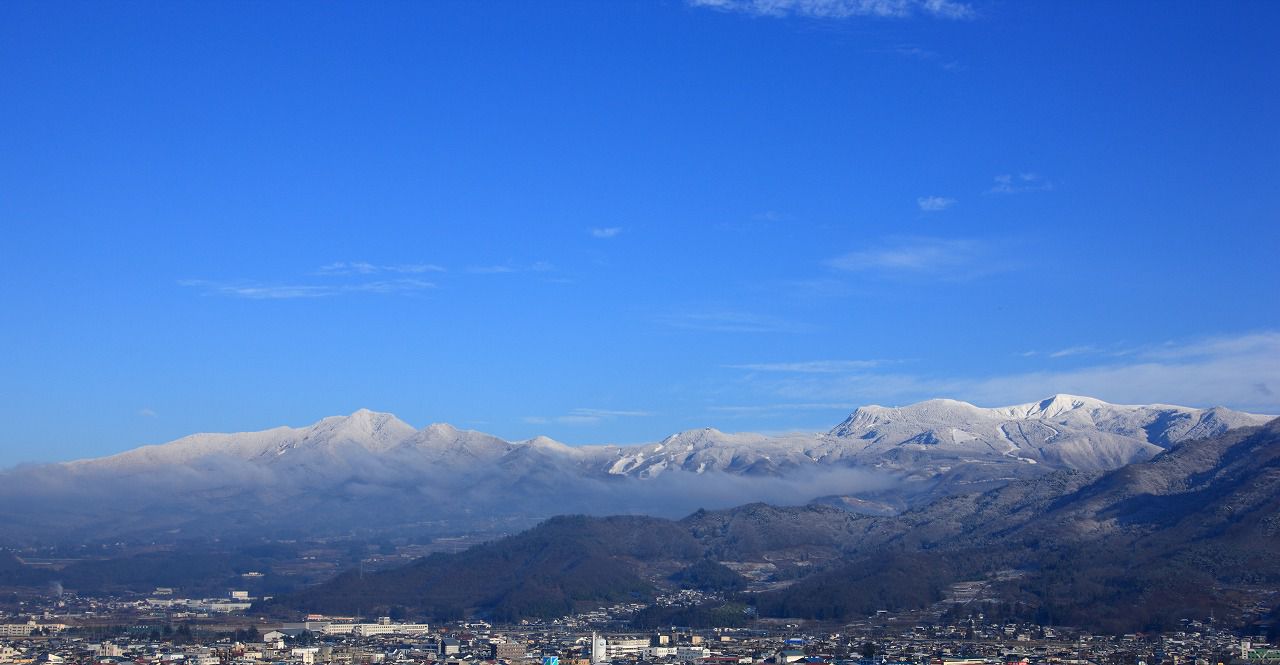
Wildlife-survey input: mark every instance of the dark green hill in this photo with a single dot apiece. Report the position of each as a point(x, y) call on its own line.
point(709, 575)
point(546, 571)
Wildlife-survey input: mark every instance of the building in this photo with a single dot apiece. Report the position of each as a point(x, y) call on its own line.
point(623, 646)
point(1252, 654)
point(686, 654)
point(382, 627)
point(598, 649)
point(17, 629)
point(509, 651)
point(29, 628)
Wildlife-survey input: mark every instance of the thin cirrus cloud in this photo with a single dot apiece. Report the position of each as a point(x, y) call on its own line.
point(339, 278)
point(948, 258)
point(1240, 371)
point(365, 268)
point(1018, 183)
point(843, 9)
point(260, 291)
point(934, 203)
point(923, 55)
point(605, 232)
point(1114, 351)
point(586, 417)
point(1074, 351)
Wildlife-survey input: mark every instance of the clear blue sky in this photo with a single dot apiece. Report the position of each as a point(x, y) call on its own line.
point(609, 221)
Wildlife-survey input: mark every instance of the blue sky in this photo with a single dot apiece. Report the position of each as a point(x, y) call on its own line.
point(610, 221)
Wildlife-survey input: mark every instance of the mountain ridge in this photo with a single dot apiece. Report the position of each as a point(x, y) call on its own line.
point(1204, 422)
point(371, 470)
point(1188, 533)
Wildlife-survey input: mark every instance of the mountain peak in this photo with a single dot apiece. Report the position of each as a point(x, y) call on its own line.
point(701, 436)
point(1063, 402)
point(373, 429)
point(1067, 398)
point(546, 442)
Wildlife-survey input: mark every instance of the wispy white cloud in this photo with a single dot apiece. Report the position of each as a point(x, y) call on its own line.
point(146, 412)
point(605, 232)
point(949, 258)
point(843, 9)
point(811, 366)
point(934, 203)
point(366, 268)
point(731, 322)
point(1238, 371)
point(586, 417)
point(1114, 351)
point(1073, 351)
point(1218, 346)
point(612, 413)
point(261, 291)
point(339, 278)
point(924, 55)
point(1017, 183)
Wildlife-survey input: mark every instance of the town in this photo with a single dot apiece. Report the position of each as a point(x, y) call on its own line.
point(164, 630)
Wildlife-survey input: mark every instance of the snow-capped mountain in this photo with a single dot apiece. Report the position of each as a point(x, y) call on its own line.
point(373, 470)
point(1063, 431)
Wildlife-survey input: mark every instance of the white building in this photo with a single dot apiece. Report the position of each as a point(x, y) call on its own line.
point(624, 646)
point(28, 628)
point(368, 629)
point(598, 652)
point(17, 629)
point(382, 627)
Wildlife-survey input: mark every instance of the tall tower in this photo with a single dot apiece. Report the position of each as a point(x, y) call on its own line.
point(598, 645)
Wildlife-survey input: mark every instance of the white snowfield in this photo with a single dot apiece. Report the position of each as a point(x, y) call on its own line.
point(372, 473)
point(917, 441)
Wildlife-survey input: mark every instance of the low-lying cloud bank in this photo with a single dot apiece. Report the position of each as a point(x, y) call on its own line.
point(361, 493)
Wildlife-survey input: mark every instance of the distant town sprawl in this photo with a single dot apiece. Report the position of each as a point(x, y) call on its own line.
point(164, 630)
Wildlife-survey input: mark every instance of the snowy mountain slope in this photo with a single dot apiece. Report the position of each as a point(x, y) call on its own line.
point(1063, 431)
point(372, 470)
